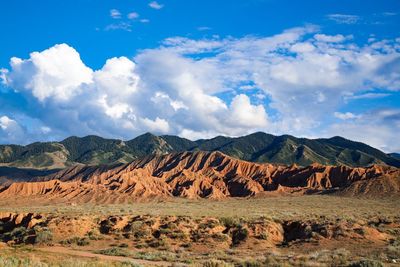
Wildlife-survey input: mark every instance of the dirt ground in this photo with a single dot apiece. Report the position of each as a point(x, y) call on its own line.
point(274, 231)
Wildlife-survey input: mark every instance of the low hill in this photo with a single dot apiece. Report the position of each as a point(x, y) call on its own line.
point(203, 175)
point(257, 147)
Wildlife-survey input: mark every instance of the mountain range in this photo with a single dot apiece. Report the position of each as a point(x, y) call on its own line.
point(256, 147)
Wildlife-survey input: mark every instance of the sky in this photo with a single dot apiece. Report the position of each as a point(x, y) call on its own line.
point(199, 69)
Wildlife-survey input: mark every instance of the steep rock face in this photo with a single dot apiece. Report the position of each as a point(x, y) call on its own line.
point(203, 175)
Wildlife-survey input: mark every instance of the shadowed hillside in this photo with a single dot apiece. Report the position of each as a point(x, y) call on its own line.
point(257, 147)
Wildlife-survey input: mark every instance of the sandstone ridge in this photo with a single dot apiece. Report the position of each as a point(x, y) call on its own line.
point(200, 174)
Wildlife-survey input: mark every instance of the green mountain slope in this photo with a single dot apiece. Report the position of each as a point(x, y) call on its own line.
point(395, 155)
point(257, 147)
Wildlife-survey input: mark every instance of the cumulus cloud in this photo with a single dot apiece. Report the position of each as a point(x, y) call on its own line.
point(244, 113)
point(201, 88)
point(155, 5)
point(57, 73)
point(157, 125)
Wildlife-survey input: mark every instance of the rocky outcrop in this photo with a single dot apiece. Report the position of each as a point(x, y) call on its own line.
point(203, 175)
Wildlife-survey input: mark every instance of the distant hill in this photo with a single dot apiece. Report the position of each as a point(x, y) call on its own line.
point(257, 147)
point(395, 155)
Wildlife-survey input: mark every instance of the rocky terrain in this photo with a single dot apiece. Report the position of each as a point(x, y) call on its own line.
point(200, 174)
point(169, 240)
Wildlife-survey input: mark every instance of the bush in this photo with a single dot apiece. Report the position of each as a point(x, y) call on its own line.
point(94, 235)
point(240, 234)
point(18, 235)
point(229, 222)
point(114, 252)
point(137, 229)
point(251, 264)
point(217, 263)
point(156, 256)
point(43, 235)
point(366, 263)
point(123, 245)
point(80, 241)
point(158, 243)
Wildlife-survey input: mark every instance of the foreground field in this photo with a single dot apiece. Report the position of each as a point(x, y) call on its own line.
point(273, 231)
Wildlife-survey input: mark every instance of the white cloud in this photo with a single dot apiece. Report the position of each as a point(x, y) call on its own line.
point(117, 77)
point(6, 122)
point(155, 5)
point(330, 38)
point(351, 96)
point(10, 130)
point(158, 125)
point(378, 128)
point(144, 20)
point(344, 18)
point(302, 48)
point(345, 115)
point(57, 72)
point(203, 28)
point(133, 15)
point(124, 26)
point(245, 114)
point(177, 88)
point(115, 14)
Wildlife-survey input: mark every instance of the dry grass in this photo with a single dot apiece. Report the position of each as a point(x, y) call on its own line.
point(25, 256)
point(229, 212)
point(275, 208)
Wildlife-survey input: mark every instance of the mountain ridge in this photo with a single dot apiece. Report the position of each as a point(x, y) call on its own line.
point(256, 147)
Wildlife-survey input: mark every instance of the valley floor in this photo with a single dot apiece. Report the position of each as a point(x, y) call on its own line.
point(268, 231)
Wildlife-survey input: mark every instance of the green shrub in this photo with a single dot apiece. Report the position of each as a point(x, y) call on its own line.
point(94, 235)
point(158, 243)
point(239, 234)
point(123, 245)
point(217, 263)
point(137, 229)
point(114, 252)
point(366, 263)
point(156, 256)
point(229, 222)
point(18, 235)
point(43, 235)
point(252, 263)
point(80, 241)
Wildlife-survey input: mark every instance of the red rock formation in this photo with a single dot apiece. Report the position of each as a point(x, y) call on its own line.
point(203, 175)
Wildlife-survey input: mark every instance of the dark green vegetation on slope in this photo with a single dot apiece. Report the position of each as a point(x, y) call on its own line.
point(257, 147)
point(395, 155)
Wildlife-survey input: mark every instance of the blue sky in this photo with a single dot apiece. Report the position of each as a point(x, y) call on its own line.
point(200, 68)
